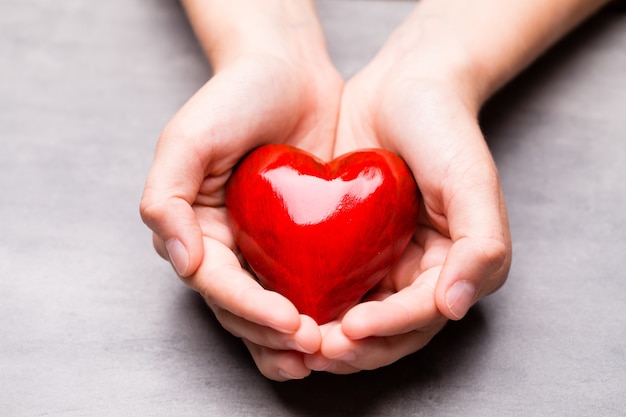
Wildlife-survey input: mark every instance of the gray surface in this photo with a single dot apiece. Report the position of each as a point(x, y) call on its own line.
point(93, 323)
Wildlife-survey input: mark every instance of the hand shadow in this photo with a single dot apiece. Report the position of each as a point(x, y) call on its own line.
point(422, 376)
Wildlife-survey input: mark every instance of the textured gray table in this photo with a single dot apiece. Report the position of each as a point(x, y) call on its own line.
point(93, 323)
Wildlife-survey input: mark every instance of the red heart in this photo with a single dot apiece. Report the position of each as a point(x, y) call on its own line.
point(321, 234)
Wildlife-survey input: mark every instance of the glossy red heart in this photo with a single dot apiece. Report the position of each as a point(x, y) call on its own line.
point(321, 234)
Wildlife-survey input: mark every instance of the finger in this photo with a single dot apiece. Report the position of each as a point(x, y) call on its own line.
point(167, 211)
point(348, 355)
point(320, 363)
point(411, 308)
point(159, 246)
point(306, 339)
point(480, 257)
point(478, 261)
point(427, 250)
point(278, 365)
point(214, 224)
point(224, 284)
point(317, 361)
point(474, 268)
point(178, 172)
point(469, 207)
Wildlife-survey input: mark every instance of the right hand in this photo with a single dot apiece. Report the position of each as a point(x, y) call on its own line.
point(253, 100)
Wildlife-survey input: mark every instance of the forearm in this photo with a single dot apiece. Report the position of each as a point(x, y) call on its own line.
point(230, 29)
point(482, 44)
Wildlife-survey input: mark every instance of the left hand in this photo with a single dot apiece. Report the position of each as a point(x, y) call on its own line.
point(461, 250)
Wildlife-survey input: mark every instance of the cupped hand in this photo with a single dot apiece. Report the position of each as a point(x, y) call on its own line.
point(461, 250)
point(251, 101)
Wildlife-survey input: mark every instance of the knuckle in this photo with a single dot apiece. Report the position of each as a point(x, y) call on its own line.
point(149, 210)
point(159, 246)
point(225, 318)
point(496, 254)
point(497, 257)
point(264, 360)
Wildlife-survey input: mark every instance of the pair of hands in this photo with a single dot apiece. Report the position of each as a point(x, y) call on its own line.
point(461, 248)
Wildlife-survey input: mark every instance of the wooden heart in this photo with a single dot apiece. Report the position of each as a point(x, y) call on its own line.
point(321, 234)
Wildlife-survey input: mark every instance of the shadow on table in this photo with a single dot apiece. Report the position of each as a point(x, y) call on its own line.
point(422, 375)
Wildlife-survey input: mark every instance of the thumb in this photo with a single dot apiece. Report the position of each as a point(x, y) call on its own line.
point(474, 267)
point(479, 259)
point(166, 206)
point(188, 146)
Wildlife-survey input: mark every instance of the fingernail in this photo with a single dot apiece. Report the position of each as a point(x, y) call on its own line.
point(178, 255)
point(331, 367)
point(286, 375)
point(345, 357)
point(293, 345)
point(460, 297)
point(319, 363)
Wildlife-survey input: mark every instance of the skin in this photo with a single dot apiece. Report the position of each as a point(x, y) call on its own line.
point(274, 82)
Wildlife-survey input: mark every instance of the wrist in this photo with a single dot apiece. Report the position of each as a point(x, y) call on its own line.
point(434, 64)
point(437, 75)
point(228, 31)
point(477, 48)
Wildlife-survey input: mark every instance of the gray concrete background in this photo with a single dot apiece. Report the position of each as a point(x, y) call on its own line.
point(93, 323)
